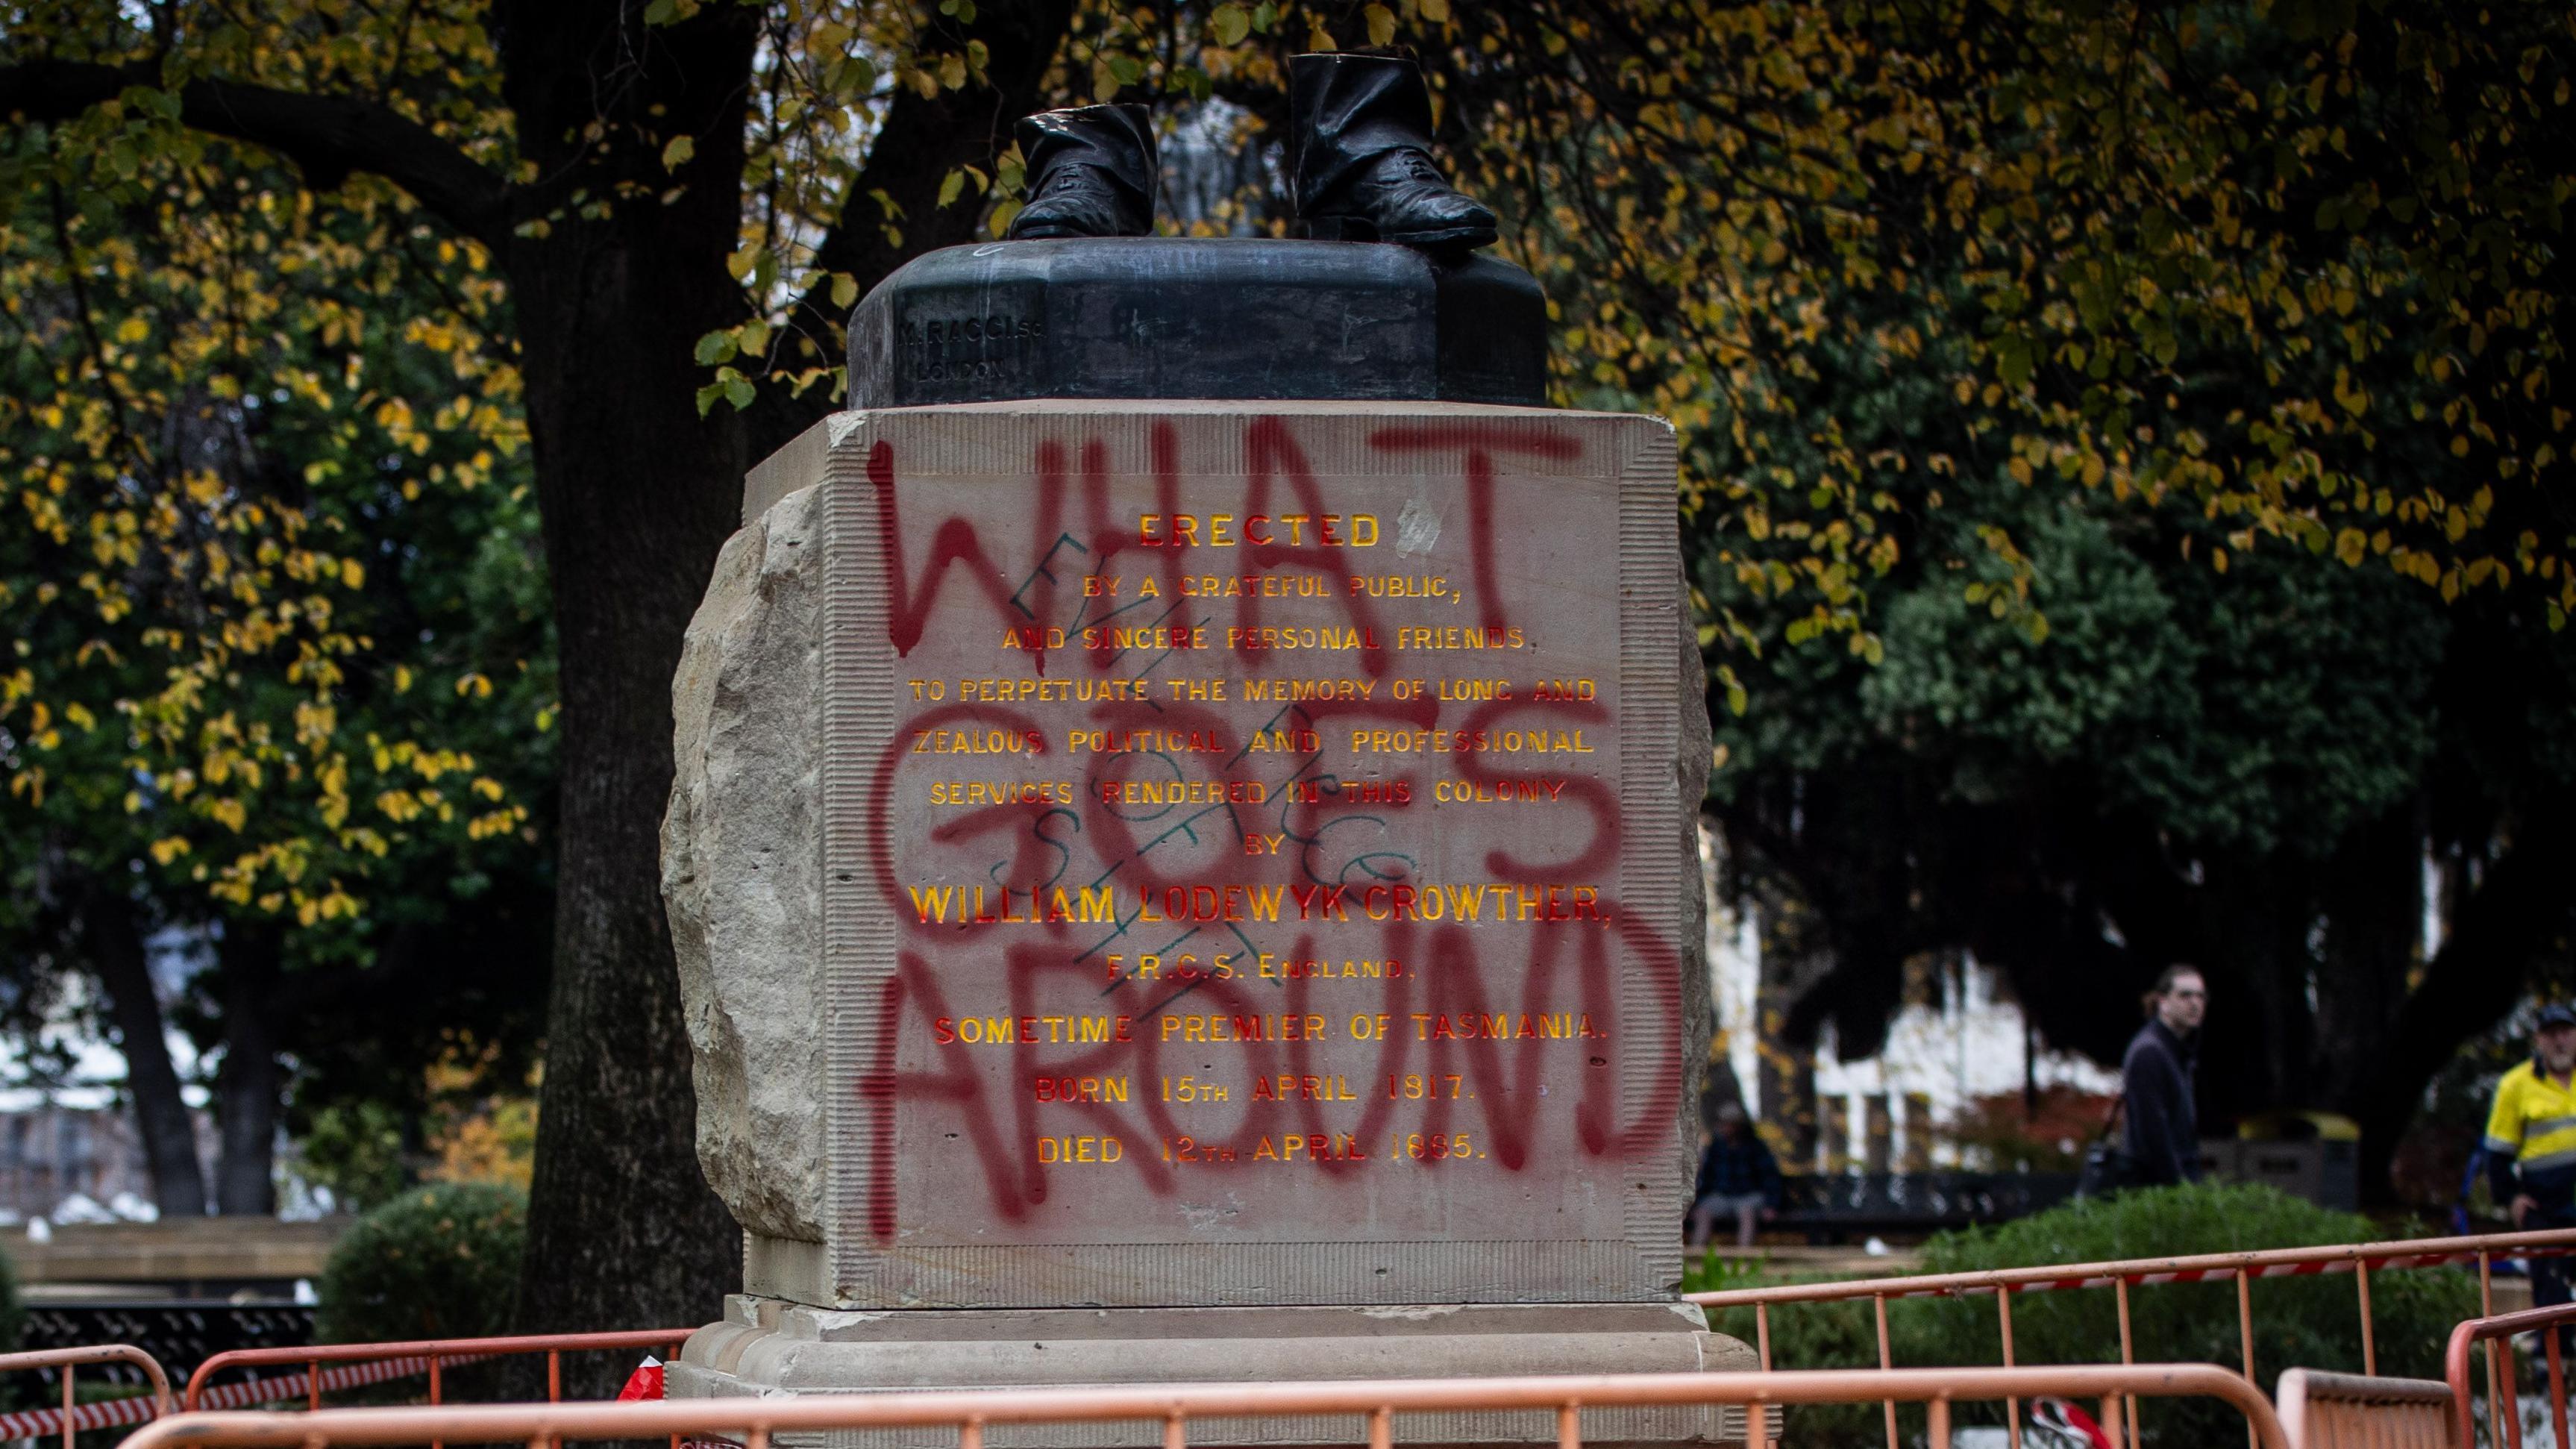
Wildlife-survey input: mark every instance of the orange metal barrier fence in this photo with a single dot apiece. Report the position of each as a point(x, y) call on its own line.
point(2504, 1400)
point(321, 1369)
point(2326, 1399)
point(73, 1416)
point(1175, 1407)
point(2359, 1259)
point(430, 1355)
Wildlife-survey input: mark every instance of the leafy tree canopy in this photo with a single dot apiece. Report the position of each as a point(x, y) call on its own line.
point(227, 405)
point(280, 681)
point(2204, 266)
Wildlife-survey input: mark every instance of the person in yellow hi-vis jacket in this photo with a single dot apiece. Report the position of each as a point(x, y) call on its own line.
point(2531, 1143)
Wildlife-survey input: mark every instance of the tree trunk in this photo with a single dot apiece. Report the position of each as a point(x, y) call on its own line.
point(2517, 912)
point(634, 515)
point(2372, 896)
point(2254, 916)
point(248, 1087)
point(161, 1115)
point(638, 494)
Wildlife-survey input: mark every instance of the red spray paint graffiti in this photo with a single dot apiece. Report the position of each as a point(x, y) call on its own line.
point(1195, 774)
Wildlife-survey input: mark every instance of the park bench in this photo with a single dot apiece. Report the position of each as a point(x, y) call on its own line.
point(1836, 1207)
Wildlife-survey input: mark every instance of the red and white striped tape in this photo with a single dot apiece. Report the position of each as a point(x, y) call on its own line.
point(102, 1414)
point(284, 1388)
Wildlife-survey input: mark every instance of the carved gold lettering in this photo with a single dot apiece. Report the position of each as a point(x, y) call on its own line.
point(1182, 530)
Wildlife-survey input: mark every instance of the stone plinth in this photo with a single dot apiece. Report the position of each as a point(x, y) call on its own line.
point(1197, 890)
point(764, 1346)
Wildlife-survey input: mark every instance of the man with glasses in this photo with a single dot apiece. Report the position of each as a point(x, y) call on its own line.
point(2162, 1131)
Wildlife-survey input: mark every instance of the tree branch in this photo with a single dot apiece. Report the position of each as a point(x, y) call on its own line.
point(2517, 913)
point(327, 137)
point(922, 140)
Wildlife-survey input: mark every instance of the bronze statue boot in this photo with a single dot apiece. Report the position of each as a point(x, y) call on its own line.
point(1091, 171)
point(1360, 126)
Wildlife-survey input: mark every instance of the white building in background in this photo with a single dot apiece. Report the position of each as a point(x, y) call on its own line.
point(69, 1148)
point(1938, 1058)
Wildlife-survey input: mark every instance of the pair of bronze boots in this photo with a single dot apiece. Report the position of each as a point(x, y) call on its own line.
point(1359, 137)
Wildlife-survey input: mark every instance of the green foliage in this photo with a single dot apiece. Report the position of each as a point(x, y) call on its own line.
point(2085, 752)
point(2309, 1322)
point(440, 1262)
point(2275, 708)
point(2302, 1322)
point(13, 1313)
point(281, 669)
point(355, 1149)
point(229, 661)
point(1707, 1275)
point(1819, 1336)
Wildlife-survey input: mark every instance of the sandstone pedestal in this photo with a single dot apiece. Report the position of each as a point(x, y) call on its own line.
point(1177, 890)
point(765, 1346)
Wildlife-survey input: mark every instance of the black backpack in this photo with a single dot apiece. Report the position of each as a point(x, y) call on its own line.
point(2108, 1167)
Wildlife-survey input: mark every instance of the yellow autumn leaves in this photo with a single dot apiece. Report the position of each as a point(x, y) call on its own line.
point(188, 673)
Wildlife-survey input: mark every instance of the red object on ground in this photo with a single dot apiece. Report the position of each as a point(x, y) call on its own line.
point(2066, 1415)
point(644, 1383)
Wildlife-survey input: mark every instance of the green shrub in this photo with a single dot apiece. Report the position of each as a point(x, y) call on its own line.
point(13, 1314)
point(2311, 1322)
point(438, 1262)
point(356, 1150)
point(14, 1388)
point(1815, 1336)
